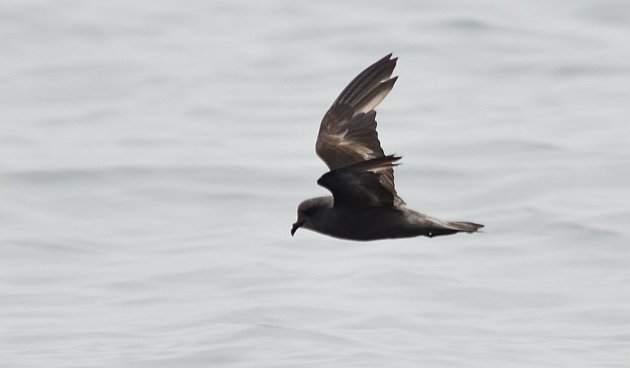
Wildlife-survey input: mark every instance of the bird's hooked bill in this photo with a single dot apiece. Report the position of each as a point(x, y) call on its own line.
point(296, 226)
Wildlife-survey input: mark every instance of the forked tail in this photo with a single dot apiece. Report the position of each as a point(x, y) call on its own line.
point(467, 227)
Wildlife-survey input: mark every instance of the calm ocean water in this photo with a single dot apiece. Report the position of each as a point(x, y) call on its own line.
point(153, 155)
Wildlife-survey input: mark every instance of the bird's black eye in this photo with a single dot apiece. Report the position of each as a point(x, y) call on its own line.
point(309, 211)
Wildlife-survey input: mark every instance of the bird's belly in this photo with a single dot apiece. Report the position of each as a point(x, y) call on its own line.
point(369, 224)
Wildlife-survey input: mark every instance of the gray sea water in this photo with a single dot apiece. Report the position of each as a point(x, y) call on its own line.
point(153, 153)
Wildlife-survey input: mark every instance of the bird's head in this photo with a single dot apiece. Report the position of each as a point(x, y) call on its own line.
point(308, 210)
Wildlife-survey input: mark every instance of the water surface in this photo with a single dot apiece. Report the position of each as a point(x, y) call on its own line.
point(154, 153)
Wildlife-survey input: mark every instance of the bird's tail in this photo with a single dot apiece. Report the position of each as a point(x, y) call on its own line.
point(441, 227)
point(467, 227)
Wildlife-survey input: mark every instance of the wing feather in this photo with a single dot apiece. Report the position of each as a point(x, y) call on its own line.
point(347, 133)
point(360, 185)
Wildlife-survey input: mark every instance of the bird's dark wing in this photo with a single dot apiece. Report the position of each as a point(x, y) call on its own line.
point(347, 133)
point(360, 184)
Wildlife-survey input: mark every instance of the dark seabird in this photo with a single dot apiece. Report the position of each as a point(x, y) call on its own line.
point(364, 203)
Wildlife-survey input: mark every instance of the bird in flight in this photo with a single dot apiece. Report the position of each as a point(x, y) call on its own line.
point(364, 204)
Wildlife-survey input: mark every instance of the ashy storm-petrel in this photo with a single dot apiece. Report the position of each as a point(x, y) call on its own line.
point(364, 204)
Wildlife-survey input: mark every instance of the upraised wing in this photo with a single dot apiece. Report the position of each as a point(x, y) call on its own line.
point(347, 133)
